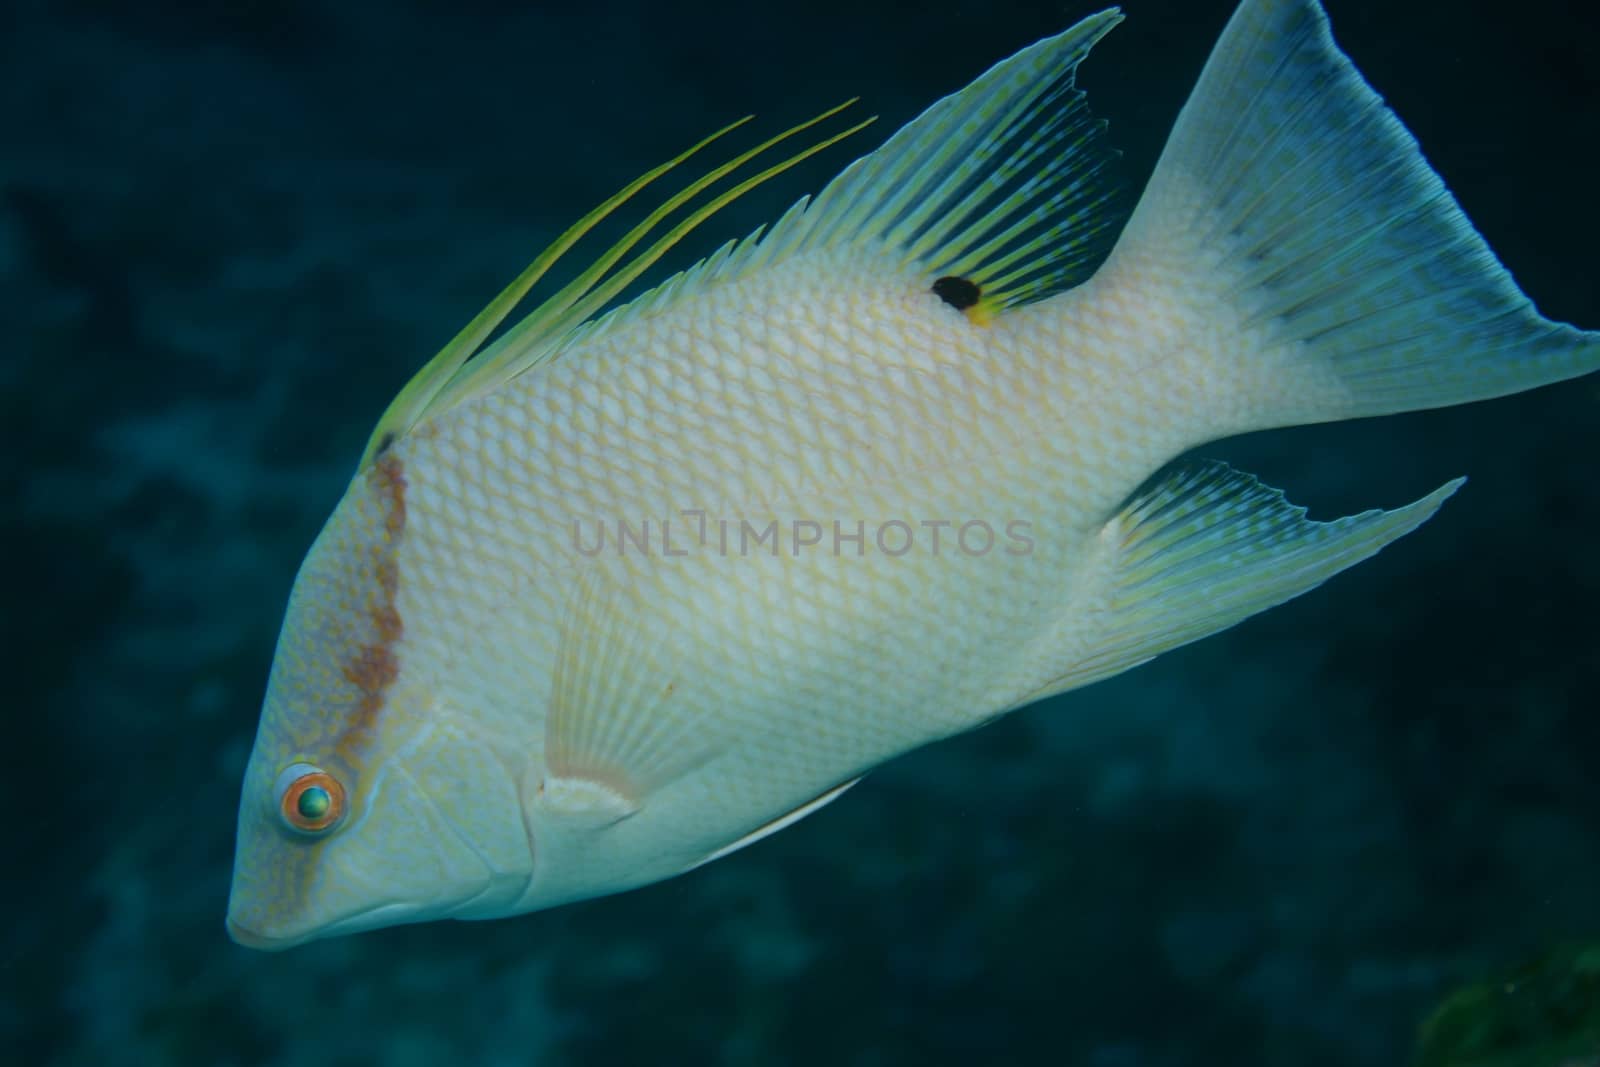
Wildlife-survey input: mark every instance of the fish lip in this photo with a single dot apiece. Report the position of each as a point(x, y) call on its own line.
point(243, 935)
point(386, 913)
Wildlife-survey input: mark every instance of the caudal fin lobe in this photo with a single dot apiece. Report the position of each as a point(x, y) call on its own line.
point(1291, 203)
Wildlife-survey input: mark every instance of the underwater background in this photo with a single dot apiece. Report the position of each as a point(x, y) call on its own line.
point(230, 232)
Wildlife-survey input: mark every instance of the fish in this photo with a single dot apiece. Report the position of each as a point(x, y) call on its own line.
point(630, 582)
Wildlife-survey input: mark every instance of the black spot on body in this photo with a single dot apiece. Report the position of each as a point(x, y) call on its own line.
point(959, 293)
point(384, 443)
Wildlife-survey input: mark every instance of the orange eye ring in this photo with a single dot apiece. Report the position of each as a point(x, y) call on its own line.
point(310, 800)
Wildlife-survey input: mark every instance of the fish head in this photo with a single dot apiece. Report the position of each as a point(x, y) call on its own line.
point(367, 800)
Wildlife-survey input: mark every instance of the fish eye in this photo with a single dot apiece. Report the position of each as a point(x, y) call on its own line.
point(310, 800)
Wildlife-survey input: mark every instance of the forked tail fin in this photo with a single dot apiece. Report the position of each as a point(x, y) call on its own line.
point(1292, 209)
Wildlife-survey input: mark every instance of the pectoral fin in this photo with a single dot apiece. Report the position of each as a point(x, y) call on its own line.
point(619, 726)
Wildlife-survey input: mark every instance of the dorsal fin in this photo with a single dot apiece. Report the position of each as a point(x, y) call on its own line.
point(1002, 187)
point(460, 370)
point(998, 195)
point(998, 190)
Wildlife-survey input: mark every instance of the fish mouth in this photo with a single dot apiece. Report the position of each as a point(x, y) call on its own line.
point(387, 913)
point(243, 935)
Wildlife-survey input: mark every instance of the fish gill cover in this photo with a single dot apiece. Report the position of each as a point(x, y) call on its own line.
point(229, 234)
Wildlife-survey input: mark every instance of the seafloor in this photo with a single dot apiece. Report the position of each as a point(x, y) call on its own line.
point(229, 232)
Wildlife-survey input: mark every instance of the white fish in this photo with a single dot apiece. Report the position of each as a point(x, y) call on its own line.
point(628, 590)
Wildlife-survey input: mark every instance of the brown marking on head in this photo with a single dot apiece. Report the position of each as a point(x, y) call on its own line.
point(372, 668)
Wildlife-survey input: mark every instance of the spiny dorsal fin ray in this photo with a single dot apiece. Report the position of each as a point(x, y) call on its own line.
point(453, 375)
point(419, 394)
point(1003, 184)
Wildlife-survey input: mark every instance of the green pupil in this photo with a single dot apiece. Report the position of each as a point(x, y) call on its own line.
point(314, 803)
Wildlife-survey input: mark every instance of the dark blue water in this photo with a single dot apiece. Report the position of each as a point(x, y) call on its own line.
point(228, 234)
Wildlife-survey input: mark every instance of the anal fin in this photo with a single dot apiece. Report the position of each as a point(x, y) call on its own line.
point(1205, 547)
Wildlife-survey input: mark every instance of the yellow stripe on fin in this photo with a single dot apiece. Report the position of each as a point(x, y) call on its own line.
point(418, 395)
point(454, 374)
point(537, 337)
